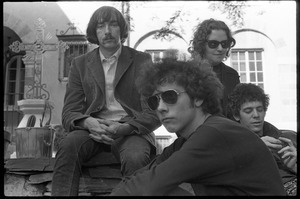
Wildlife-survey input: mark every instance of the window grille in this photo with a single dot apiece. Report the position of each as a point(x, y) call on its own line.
point(249, 64)
point(75, 49)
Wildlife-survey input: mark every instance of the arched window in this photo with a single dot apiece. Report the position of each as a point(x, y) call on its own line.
point(13, 91)
point(14, 81)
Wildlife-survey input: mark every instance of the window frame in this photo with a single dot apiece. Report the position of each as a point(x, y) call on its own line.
point(248, 71)
point(68, 40)
point(62, 75)
point(153, 53)
point(19, 87)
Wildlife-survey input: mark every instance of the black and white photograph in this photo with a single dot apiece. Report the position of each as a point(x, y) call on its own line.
point(150, 98)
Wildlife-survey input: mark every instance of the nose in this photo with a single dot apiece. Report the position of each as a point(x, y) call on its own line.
point(161, 106)
point(107, 29)
point(220, 47)
point(255, 113)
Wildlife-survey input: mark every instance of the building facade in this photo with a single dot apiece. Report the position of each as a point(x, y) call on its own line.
point(264, 54)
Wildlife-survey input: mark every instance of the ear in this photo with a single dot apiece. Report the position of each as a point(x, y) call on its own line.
point(236, 117)
point(198, 102)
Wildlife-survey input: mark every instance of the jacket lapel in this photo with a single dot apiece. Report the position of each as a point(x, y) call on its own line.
point(124, 62)
point(95, 66)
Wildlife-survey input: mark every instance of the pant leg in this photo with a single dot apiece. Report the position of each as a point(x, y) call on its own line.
point(76, 148)
point(179, 191)
point(134, 152)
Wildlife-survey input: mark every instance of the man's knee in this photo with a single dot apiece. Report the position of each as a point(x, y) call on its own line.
point(132, 156)
point(73, 141)
point(132, 161)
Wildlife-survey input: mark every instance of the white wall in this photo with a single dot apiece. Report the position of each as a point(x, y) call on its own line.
point(275, 19)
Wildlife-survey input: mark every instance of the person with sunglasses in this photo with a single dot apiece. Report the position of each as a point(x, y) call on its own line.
point(248, 103)
point(212, 154)
point(211, 44)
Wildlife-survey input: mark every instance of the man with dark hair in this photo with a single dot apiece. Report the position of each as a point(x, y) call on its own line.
point(248, 105)
point(103, 110)
point(212, 154)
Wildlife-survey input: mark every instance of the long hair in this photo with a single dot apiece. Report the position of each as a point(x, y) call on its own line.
point(104, 14)
point(202, 31)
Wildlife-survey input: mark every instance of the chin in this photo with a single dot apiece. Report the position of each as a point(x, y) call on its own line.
point(256, 129)
point(170, 129)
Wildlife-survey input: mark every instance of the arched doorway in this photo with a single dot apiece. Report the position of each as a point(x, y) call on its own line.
point(161, 48)
point(154, 32)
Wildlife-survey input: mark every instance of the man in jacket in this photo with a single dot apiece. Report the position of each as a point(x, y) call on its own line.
point(103, 110)
point(248, 104)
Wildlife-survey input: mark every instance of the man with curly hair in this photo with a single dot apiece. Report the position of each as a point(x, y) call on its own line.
point(211, 44)
point(248, 104)
point(212, 154)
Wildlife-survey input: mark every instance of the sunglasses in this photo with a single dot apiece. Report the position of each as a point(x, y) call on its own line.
point(214, 44)
point(168, 97)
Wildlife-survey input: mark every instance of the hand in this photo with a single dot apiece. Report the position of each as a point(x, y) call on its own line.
point(272, 143)
point(98, 131)
point(112, 127)
point(289, 154)
point(102, 138)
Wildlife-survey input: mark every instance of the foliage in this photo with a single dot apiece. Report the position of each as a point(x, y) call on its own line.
point(164, 32)
point(233, 9)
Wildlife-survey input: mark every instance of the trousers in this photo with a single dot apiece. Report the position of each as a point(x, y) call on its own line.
point(133, 152)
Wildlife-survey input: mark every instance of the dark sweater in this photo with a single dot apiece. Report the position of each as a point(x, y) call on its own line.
point(229, 78)
point(220, 158)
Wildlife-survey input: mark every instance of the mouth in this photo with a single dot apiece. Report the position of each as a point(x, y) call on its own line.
point(108, 39)
point(256, 123)
point(166, 120)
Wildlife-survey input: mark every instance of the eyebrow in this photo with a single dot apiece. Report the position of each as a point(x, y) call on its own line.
point(251, 107)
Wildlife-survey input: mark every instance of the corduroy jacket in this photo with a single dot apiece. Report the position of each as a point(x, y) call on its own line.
point(85, 91)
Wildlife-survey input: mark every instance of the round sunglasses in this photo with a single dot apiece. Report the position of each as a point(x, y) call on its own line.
point(168, 97)
point(214, 44)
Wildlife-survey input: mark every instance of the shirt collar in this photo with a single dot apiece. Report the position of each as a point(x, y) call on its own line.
point(115, 55)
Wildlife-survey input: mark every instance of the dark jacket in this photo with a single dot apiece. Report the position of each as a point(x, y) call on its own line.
point(221, 157)
point(229, 78)
point(85, 92)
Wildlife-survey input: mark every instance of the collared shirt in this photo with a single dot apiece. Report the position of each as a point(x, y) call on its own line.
point(114, 110)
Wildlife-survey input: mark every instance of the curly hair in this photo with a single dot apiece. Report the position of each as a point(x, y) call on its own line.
point(105, 13)
point(246, 92)
point(198, 83)
point(202, 31)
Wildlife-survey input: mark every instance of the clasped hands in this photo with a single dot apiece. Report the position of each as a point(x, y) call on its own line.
point(285, 148)
point(103, 131)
